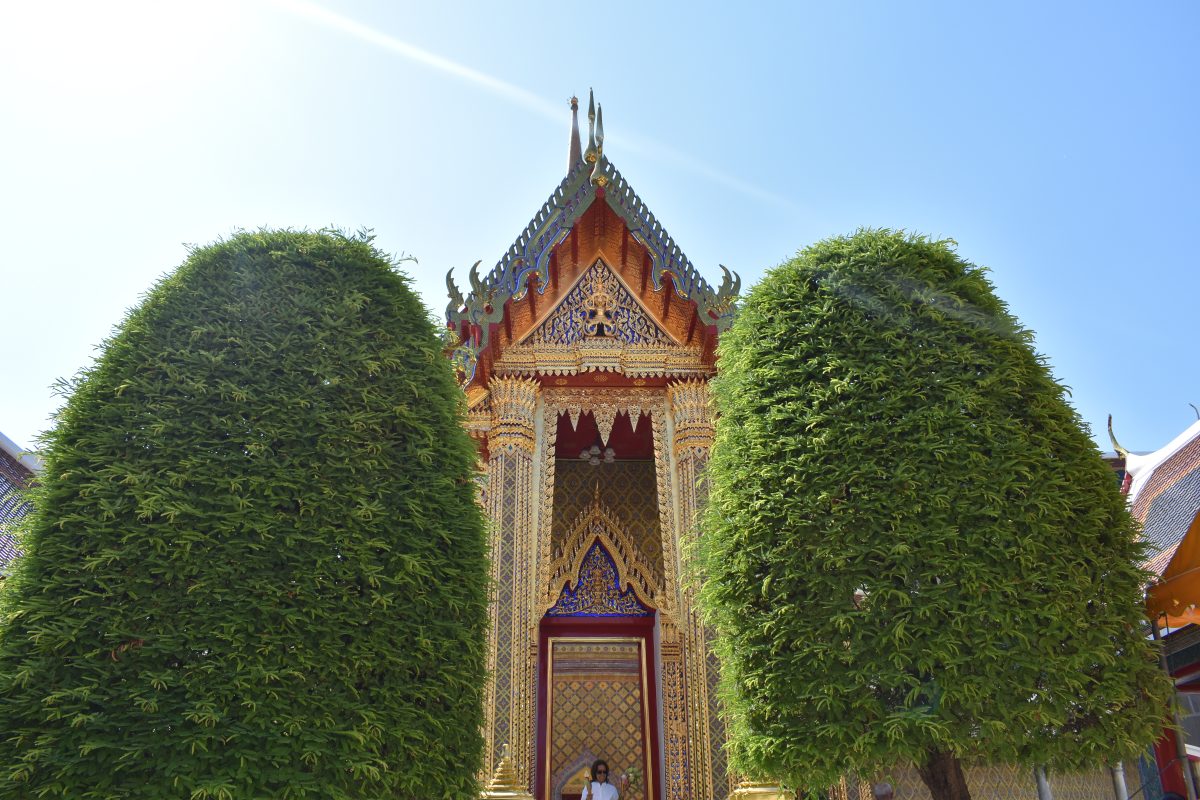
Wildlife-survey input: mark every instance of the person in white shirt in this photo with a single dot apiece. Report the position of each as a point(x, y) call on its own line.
point(599, 788)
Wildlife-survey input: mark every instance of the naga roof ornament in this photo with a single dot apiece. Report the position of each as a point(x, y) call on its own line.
point(598, 176)
point(527, 261)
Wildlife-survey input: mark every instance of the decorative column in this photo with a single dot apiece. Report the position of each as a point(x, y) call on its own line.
point(692, 436)
point(510, 510)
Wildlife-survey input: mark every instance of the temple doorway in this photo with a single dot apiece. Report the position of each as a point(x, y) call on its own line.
point(598, 699)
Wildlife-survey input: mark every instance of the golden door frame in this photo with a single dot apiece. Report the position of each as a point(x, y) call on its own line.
point(640, 630)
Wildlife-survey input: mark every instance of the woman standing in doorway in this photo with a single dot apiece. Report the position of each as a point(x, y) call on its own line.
point(599, 788)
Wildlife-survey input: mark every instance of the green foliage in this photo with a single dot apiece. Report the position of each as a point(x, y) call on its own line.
point(886, 429)
point(256, 568)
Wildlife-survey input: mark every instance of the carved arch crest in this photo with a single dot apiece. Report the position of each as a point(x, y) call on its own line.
point(598, 522)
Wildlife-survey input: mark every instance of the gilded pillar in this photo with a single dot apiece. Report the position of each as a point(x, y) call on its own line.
point(511, 446)
point(691, 439)
point(677, 720)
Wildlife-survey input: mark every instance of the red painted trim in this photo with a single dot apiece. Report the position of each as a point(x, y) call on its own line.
point(1170, 770)
point(643, 628)
point(1189, 669)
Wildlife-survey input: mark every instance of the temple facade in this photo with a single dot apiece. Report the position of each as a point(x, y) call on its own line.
point(585, 355)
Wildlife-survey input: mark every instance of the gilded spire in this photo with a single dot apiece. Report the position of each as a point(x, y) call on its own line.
point(575, 155)
point(591, 155)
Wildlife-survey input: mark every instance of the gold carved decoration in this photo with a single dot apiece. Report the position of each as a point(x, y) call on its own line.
point(693, 423)
point(600, 326)
point(757, 790)
point(597, 522)
point(598, 304)
point(678, 705)
point(479, 422)
point(476, 397)
point(514, 403)
point(512, 508)
point(626, 487)
point(604, 404)
point(505, 785)
point(550, 412)
point(687, 762)
point(604, 355)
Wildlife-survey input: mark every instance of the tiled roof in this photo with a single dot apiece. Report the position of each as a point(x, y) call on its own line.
point(12, 507)
point(1166, 495)
point(14, 473)
point(1171, 513)
point(8, 551)
point(1154, 471)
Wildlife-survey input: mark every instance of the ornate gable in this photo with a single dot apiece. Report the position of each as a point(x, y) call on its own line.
point(593, 215)
point(601, 326)
point(598, 306)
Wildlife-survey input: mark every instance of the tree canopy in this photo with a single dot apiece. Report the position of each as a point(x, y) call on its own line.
point(912, 551)
point(254, 548)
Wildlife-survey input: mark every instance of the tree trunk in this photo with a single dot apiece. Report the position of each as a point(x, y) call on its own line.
point(943, 776)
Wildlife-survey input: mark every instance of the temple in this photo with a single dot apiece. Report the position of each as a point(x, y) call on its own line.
point(585, 355)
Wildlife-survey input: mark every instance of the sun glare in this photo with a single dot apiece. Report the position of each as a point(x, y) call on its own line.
point(97, 49)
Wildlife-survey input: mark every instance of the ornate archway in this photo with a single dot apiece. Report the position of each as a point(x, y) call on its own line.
point(598, 694)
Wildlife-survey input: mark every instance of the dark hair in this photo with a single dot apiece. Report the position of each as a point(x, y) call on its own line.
point(596, 765)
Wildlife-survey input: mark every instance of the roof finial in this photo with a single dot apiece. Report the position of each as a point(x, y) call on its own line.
point(1121, 451)
point(590, 156)
point(598, 176)
point(574, 156)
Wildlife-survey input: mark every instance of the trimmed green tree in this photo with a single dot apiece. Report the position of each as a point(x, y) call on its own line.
point(912, 551)
point(256, 568)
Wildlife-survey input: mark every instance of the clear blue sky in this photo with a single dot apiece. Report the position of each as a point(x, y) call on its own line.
point(1056, 142)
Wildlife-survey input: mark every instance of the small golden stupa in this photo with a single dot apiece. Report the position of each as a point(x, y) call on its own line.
point(504, 782)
